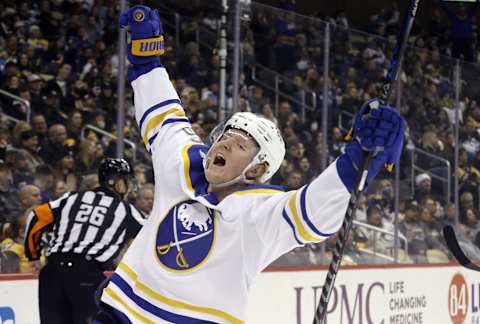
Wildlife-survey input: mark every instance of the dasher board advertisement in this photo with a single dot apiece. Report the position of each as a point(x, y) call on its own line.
point(430, 294)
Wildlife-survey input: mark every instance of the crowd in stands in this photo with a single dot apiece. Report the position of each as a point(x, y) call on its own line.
point(62, 57)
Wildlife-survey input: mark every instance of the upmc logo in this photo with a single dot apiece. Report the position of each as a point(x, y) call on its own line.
point(7, 316)
point(458, 299)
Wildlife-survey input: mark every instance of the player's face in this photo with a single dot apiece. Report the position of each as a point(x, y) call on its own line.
point(230, 156)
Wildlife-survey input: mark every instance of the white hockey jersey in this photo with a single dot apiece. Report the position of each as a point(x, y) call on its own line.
point(195, 259)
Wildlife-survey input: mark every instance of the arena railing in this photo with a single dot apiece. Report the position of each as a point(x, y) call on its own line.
point(9, 118)
point(376, 232)
point(110, 135)
point(415, 151)
point(25, 102)
point(276, 80)
point(279, 79)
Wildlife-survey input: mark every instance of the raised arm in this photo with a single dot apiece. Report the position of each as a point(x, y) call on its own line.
point(316, 211)
point(158, 109)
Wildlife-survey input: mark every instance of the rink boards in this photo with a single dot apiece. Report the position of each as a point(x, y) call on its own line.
point(429, 294)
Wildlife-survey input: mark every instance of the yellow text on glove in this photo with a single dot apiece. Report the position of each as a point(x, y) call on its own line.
point(148, 46)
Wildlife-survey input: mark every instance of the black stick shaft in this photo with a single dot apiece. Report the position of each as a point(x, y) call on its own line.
point(454, 247)
point(360, 182)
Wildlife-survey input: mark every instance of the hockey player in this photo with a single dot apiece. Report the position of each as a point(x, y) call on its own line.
point(215, 224)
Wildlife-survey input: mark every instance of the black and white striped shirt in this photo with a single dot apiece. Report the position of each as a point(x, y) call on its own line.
point(93, 223)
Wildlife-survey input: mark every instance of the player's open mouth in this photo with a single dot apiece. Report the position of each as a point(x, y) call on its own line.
point(219, 160)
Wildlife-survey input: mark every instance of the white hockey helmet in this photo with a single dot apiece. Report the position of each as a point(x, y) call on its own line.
point(268, 137)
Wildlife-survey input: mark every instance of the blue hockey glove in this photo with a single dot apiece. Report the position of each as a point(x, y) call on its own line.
point(378, 129)
point(146, 40)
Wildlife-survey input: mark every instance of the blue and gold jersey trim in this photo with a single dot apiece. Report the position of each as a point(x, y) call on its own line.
point(304, 230)
point(163, 113)
point(258, 189)
point(138, 293)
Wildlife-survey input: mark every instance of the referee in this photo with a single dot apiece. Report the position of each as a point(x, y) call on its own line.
point(84, 231)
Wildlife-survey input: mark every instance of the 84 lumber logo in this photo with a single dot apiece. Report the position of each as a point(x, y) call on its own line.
point(458, 299)
point(463, 298)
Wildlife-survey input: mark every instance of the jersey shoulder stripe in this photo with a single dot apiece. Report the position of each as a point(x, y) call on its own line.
point(303, 208)
point(155, 107)
point(295, 211)
point(290, 224)
point(158, 121)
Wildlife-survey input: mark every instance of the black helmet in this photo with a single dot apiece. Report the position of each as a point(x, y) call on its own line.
point(110, 169)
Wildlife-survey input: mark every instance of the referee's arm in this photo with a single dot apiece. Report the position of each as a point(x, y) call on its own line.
point(38, 219)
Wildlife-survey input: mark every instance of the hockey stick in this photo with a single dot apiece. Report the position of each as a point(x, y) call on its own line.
point(454, 247)
point(360, 182)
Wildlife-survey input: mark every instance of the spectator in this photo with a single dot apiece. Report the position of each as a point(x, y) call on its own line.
point(306, 169)
point(19, 128)
point(64, 168)
point(337, 142)
point(53, 108)
point(257, 99)
point(461, 30)
point(30, 147)
point(449, 219)
point(412, 229)
point(433, 230)
point(267, 111)
point(57, 137)
point(142, 175)
point(88, 182)
point(40, 127)
point(9, 262)
point(466, 202)
point(44, 180)
point(22, 173)
point(59, 188)
point(9, 203)
point(294, 180)
point(423, 187)
point(74, 125)
point(90, 153)
point(144, 199)
point(29, 197)
point(378, 242)
point(35, 86)
point(436, 209)
point(295, 152)
point(470, 219)
point(285, 31)
point(60, 83)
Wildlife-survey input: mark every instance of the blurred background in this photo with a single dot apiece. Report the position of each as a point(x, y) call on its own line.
point(306, 66)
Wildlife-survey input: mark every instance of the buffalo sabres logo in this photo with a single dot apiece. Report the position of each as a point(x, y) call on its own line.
point(185, 236)
point(138, 15)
